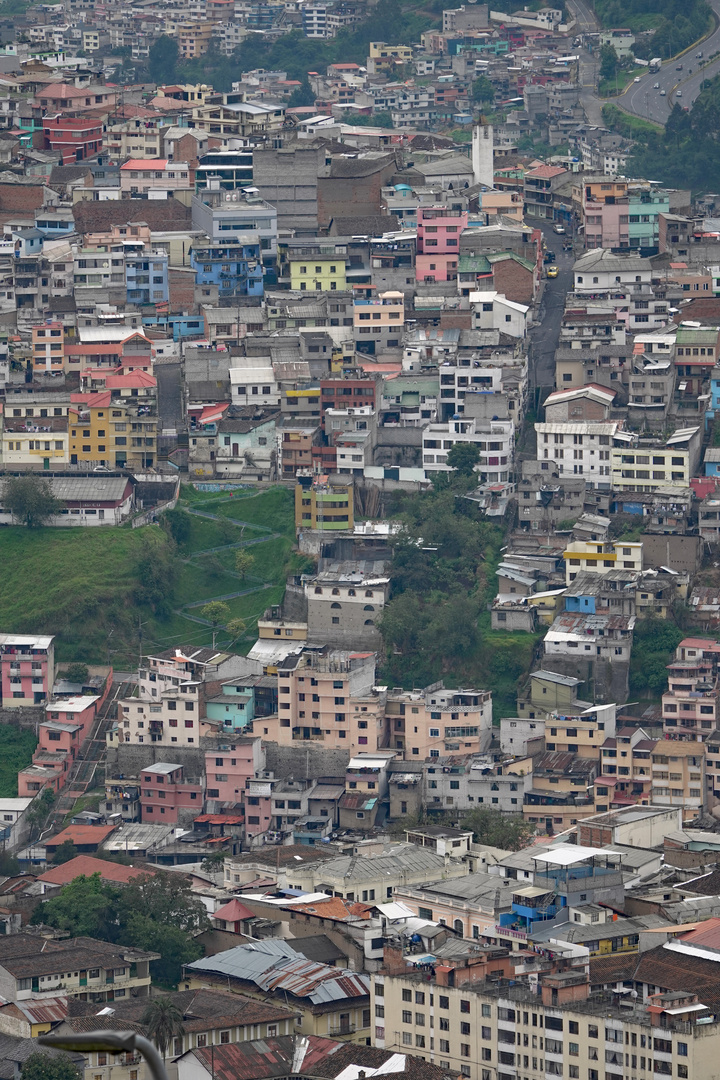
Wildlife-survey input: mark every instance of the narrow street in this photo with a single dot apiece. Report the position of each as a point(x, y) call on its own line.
point(544, 335)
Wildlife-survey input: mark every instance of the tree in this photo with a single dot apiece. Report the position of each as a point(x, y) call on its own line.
point(156, 571)
point(49, 1066)
point(9, 866)
point(463, 457)
point(508, 831)
point(236, 628)
point(64, 853)
point(163, 58)
point(301, 96)
point(30, 499)
point(244, 562)
point(77, 673)
point(608, 62)
point(84, 907)
point(483, 90)
point(216, 613)
point(179, 524)
point(163, 1022)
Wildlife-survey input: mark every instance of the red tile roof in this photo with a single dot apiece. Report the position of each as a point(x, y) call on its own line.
point(546, 171)
point(85, 866)
point(234, 911)
point(81, 834)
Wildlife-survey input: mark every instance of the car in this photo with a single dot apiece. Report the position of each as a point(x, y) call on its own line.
point(656, 86)
point(698, 55)
point(678, 67)
point(552, 271)
point(559, 229)
point(662, 93)
point(678, 93)
point(549, 257)
point(636, 79)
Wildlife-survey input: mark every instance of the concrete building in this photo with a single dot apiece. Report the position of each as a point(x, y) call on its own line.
point(27, 670)
point(436, 722)
point(166, 797)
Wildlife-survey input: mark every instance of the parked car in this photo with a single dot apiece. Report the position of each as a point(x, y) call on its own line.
point(549, 257)
point(552, 271)
point(559, 229)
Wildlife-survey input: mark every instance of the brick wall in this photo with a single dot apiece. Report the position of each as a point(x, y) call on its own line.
point(514, 281)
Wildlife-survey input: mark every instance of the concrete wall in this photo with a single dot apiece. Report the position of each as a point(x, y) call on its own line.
point(25, 718)
point(351, 632)
point(304, 761)
point(675, 552)
point(130, 759)
point(610, 682)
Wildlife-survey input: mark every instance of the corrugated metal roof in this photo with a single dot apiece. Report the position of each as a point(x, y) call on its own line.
point(273, 965)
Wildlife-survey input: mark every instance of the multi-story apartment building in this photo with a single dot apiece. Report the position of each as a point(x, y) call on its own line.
point(378, 323)
point(579, 449)
point(625, 777)
point(690, 705)
point(222, 214)
point(176, 717)
point(464, 783)
point(663, 463)
point(438, 243)
point(678, 775)
point(494, 438)
point(328, 697)
point(35, 969)
point(138, 176)
point(324, 503)
point(542, 1025)
point(436, 722)
point(230, 766)
point(111, 432)
point(234, 266)
point(587, 557)
point(48, 346)
point(582, 734)
point(166, 797)
point(27, 670)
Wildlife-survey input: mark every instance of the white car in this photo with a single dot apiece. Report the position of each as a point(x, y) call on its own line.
point(656, 86)
point(679, 93)
point(636, 79)
point(662, 93)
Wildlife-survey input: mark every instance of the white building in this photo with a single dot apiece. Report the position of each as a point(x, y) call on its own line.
point(600, 269)
point(253, 382)
point(493, 311)
point(580, 449)
point(494, 438)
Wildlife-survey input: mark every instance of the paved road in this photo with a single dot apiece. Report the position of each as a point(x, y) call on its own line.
point(644, 100)
point(586, 23)
point(544, 335)
point(170, 405)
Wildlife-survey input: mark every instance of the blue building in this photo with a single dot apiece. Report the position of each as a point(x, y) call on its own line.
point(234, 707)
point(712, 411)
point(179, 327)
point(235, 266)
point(146, 277)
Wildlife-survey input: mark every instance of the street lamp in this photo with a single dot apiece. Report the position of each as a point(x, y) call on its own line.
point(112, 1041)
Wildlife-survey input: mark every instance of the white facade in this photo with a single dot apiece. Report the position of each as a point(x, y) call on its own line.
point(493, 311)
point(171, 720)
point(515, 732)
point(495, 439)
point(580, 449)
point(253, 382)
point(599, 269)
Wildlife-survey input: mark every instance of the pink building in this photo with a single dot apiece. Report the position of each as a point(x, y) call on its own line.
point(258, 808)
point(140, 175)
point(165, 795)
point(230, 767)
point(27, 670)
point(438, 243)
point(76, 711)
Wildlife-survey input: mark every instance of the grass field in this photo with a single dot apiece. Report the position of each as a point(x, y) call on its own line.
point(80, 584)
point(16, 750)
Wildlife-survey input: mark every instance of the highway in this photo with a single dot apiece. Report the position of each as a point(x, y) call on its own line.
point(642, 99)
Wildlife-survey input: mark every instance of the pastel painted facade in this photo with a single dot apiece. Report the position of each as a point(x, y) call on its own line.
point(48, 346)
point(138, 176)
point(165, 795)
point(230, 767)
point(27, 670)
point(438, 243)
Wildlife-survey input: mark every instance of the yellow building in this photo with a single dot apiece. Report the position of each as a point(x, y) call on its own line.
point(383, 56)
point(193, 38)
point(324, 504)
point(585, 556)
point(48, 347)
point(678, 775)
point(648, 469)
point(321, 273)
point(111, 433)
point(91, 41)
